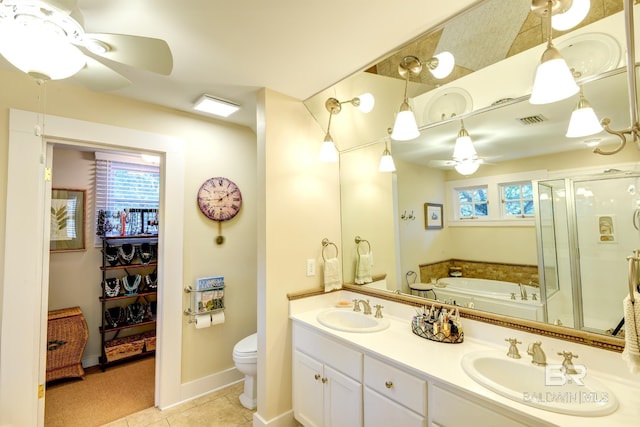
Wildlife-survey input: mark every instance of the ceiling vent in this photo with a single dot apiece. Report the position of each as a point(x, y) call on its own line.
point(532, 120)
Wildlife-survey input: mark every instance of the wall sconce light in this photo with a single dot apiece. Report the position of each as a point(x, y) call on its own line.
point(553, 81)
point(405, 127)
point(464, 153)
point(386, 160)
point(584, 121)
point(364, 103)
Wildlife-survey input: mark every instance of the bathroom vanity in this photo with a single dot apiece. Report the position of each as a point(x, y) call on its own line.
point(394, 377)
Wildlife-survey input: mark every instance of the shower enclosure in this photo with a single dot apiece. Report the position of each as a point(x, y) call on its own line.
point(586, 227)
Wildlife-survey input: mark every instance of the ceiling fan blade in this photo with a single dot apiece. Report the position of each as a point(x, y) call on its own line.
point(139, 52)
point(98, 77)
point(441, 163)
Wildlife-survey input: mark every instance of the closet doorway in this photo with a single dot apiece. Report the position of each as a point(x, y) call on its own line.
point(123, 185)
point(28, 212)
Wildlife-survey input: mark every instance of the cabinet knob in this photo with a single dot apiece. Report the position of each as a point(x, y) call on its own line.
point(324, 381)
point(388, 384)
point(316, 376)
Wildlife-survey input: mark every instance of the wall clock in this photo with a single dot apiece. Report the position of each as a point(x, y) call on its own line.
point(220, 200)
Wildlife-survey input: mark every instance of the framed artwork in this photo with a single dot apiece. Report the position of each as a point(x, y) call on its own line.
point(606, 228)
point(68, 208)
point(433, 216)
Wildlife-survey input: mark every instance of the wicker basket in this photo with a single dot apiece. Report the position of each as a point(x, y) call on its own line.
point(149, 338)
point(122, 348)
point(426, 331)
point(67, 336)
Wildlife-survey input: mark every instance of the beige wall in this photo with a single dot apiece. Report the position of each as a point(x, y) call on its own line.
point(301, 207)
point(211, 148)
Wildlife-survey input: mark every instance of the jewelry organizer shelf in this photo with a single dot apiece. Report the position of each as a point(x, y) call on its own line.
point(127, 299)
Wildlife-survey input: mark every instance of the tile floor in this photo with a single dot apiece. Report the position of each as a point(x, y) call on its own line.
point(217, 409)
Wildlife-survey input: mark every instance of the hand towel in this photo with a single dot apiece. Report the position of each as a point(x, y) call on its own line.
point(363, 269)
point(631, 352)
point(332, 278)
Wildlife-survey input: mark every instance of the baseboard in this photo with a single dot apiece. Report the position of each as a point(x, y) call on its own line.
point(283, 420)
point(91, 360)
point(200, 387)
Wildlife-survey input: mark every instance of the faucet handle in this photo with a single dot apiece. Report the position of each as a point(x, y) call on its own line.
point(378, 308)
point(513, 349)
point(356, 305)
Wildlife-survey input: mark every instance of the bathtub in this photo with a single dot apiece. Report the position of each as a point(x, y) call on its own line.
point(489, 295)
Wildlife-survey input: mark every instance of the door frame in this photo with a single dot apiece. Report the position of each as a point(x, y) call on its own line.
point(26, 258)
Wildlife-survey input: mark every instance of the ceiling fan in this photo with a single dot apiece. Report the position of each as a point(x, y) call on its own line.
point(46, 39)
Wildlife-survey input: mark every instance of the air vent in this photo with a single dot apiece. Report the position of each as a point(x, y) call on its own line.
point(532, 120)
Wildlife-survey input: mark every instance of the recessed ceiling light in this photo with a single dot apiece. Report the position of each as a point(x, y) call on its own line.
point(215, 106)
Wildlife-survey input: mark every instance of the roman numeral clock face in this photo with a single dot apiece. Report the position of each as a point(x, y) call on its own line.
point(219, 199)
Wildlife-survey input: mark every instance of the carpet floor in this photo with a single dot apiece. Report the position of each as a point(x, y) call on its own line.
point(101, 397)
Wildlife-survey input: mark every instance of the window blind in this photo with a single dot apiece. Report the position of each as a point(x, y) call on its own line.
point(121, 187)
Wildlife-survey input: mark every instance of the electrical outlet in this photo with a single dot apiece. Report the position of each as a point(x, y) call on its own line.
point(311, 267)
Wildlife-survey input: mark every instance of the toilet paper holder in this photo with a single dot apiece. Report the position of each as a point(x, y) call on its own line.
point(204, 301)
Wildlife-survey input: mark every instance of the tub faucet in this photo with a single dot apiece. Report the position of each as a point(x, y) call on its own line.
point(538, 356)
point(365, 305)
point(523, 292)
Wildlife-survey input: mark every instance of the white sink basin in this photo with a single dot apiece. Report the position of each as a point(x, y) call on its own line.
point(521, 381)
point(344, 319)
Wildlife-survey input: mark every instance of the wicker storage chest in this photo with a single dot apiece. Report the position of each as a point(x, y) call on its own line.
point(67, 335)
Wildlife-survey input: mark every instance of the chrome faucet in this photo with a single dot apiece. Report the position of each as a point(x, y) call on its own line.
point(523, 292)
point(365, 305)
point(513, 350)
point(535, 350)
point(567, 364)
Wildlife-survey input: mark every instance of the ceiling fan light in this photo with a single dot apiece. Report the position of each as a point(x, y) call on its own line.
point(328, 150)
point(553, 81)
point(572, 17)
point(40, 50)
point(467, 166)
point(405, 127)
point(446, 62)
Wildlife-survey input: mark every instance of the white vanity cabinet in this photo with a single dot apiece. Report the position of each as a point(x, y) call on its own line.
point(327, 381)
point(449, 409)
point(393, 397)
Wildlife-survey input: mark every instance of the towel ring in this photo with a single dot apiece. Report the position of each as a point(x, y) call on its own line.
point(359, 240)
point(325, 243)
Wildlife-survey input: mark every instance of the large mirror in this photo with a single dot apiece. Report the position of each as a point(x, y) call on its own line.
point(497, 45)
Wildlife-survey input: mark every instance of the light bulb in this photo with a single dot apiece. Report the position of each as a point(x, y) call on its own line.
point(467, 166)
point(367, 101)
point(386, 161)
point(328, 150)
point(553, 81)
point(584, 122)
point(446, 62)
point(572, 17)
point(464, 148)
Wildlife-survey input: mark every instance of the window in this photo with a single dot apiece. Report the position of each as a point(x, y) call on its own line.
point(472, 202)
point(517, 199)
point(123, 189)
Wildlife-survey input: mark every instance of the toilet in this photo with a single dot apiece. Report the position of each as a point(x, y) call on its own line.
point(245, 357)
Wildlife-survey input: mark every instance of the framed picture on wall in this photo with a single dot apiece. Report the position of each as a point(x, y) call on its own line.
point(68, 208)
point(433, 216)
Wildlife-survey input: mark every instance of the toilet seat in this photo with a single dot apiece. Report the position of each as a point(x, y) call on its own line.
point(247, 348)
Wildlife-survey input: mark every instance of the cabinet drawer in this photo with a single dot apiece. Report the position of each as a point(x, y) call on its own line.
point(328, 351)
point(396, 384)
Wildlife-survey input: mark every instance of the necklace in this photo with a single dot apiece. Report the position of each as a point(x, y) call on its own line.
point(126, 253)
point(131, 284)
point(136, 313)
point(111, 287)
point(111, 254)
point(114, 316)
point(151, 281)
point(145, 253)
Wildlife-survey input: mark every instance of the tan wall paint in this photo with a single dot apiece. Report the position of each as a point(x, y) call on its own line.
point(212, 148)
point(301, 207)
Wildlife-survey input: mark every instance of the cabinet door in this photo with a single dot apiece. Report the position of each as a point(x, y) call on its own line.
point(307, 390)
point(342, 400)
point(383, 412)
